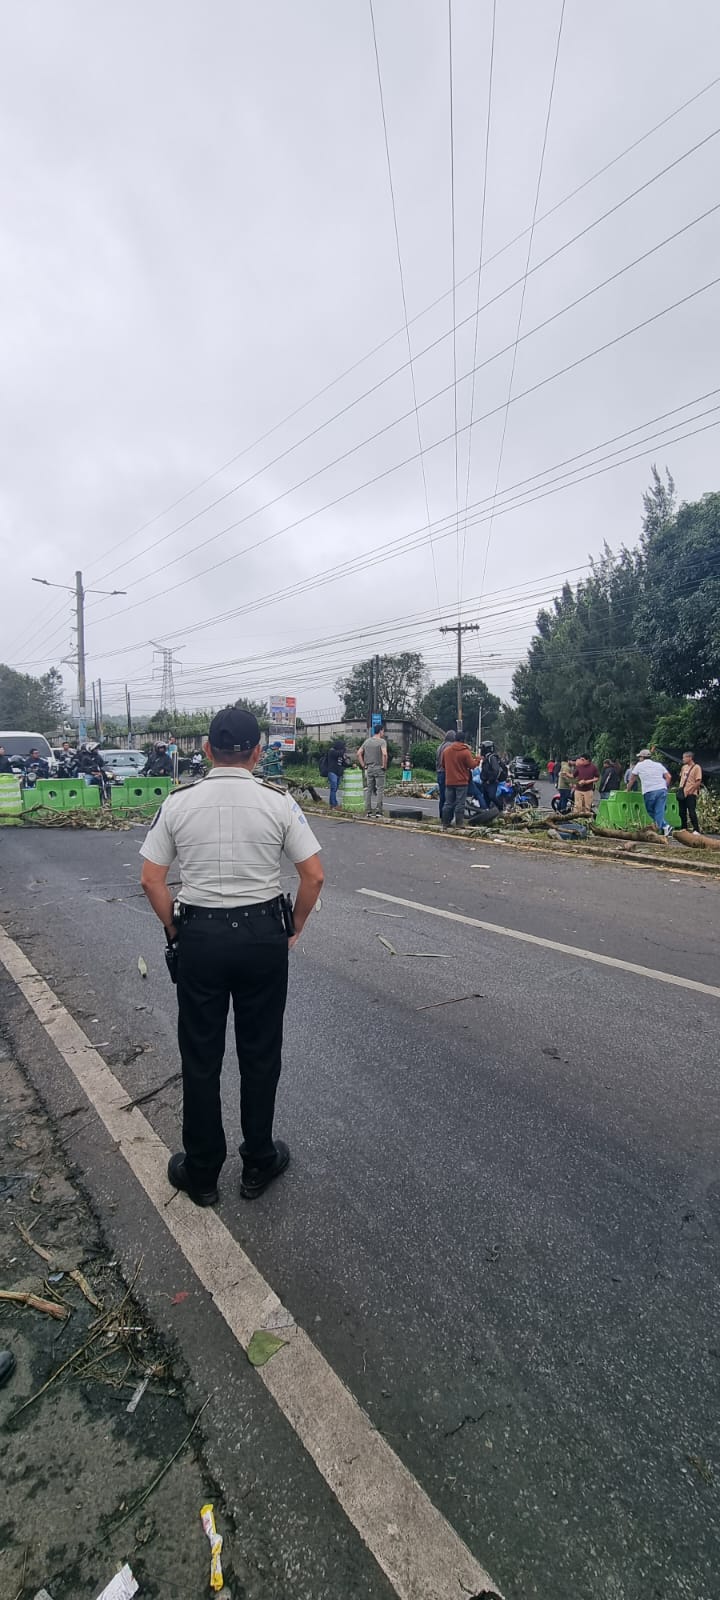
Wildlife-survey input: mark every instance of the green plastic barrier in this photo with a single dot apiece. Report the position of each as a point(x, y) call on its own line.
point(352, 794)
point(61, 794)
point(140, 794)
point(10, 798)
point(621, 809)
point(672, 810)
point(626, 809)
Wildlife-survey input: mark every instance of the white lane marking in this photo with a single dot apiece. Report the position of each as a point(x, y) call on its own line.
point(411, 1541)
point(548, 944)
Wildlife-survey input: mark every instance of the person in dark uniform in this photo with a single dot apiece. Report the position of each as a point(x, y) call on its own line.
point(228, 833)
point(5, 765)
point(159, 764)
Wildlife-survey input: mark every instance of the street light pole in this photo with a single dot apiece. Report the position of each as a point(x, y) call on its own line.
point(79, 593)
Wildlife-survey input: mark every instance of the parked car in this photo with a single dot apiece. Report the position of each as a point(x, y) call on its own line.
point(19, 744)
point(122, 764)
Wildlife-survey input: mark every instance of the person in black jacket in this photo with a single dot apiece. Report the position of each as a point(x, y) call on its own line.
point(4, 761)
point(158, 764)
point(492, 770)
point(610, 777)
point(35, 767)
point(337, 762)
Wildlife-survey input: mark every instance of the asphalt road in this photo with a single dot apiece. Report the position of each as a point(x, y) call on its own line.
point(502, 1219)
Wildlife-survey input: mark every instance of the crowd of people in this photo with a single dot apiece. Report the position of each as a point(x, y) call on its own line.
point(578, 781)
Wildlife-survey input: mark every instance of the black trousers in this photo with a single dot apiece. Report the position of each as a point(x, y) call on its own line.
point(688, 808)
point(241, 954)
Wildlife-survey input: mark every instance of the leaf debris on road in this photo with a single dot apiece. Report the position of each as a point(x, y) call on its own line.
point(142, 967)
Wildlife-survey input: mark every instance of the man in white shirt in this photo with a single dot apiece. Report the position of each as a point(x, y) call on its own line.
point(654, 781)
point(228, 833)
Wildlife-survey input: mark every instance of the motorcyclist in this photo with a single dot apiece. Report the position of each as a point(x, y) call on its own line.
point(90, 765)
point(35, 767)
point(492, 771)
point(67, 761)
point(197, 765)
point(158, 764)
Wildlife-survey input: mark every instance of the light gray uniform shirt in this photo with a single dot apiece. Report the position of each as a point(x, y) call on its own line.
point(229, 833)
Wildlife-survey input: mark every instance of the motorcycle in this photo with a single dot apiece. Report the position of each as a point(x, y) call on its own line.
point(518, 793)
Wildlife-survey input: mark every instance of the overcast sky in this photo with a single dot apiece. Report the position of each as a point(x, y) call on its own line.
point(196, 237)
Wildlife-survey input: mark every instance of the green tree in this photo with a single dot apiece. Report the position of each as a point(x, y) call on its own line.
point(402, 682)
point(585, 677)
point(32, 703)
point(678, 623)
point(440, 704)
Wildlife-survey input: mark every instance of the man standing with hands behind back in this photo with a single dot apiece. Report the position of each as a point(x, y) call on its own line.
point(228, 833)
point(373, 758)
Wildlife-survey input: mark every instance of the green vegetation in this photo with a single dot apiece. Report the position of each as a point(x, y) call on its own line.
point(616, 659)
point(32, 703)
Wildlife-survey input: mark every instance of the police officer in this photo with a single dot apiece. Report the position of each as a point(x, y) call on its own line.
point(229, 832)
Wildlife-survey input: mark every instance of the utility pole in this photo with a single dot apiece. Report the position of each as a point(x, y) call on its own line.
point(101, 725)
point(95, 713)
point(129, 718)
point(371, 694)
point(80, 624)
point(79, 593)
point(459, 628)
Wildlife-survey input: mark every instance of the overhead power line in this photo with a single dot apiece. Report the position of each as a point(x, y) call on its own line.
point(215, 619)
point(386, 472)
point(403, 294)
point(531, 238)
point(383, 344)
point(514, 500)
point(405, 416)
point(479, 283)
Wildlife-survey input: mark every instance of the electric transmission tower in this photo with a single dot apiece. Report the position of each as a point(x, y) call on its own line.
point(167, 693)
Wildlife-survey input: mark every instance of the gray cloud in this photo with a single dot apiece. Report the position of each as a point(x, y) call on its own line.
point(197, 236)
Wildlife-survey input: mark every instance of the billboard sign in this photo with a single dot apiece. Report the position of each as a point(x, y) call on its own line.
point(283, 713)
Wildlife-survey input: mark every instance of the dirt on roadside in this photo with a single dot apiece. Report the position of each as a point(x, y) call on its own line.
point(85, 1482)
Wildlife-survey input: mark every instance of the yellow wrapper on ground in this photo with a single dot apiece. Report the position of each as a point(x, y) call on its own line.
point(207, 1516)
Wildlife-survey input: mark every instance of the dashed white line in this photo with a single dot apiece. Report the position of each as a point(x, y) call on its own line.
point(417, 1549)
point(573, 950)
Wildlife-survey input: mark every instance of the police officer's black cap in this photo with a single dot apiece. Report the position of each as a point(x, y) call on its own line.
point(233, 729)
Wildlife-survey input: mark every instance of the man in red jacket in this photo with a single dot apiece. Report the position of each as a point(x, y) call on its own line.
point(457, 763)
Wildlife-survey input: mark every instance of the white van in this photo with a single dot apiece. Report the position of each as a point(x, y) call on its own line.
point(20, 744)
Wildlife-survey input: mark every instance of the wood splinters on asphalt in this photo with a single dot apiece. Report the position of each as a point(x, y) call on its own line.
point(142, 967)
point(168, 1464)
point(425, 955)
point(45, 1255)
point(141, 1099)
point(23, 1297)
point(453, 1001)
point(79, 1278)
point(387, 944)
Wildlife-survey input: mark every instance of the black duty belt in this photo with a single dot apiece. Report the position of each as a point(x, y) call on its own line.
point(280, 907)
point(229, 913)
